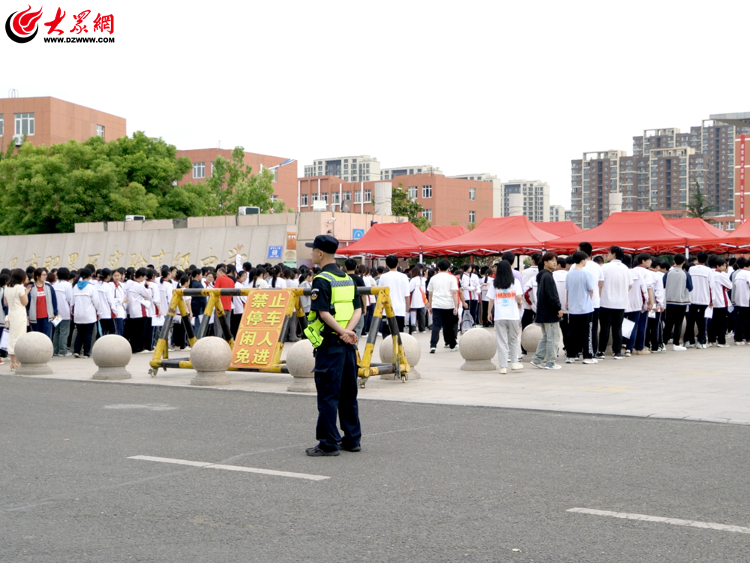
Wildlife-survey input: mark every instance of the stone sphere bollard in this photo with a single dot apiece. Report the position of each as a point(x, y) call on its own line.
point(300, 362)
point(211, 357)
point(111, 354)
point(478, 348)
point(33, 351)
point(530, 338)
point(411, 349)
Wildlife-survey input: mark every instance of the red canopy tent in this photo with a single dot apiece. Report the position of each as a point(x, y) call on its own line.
point(740, 237)
point(446, 232)
point(634, 231)
point(383, 239)
point(706, 231)
point(559, 228)
point(493, 236)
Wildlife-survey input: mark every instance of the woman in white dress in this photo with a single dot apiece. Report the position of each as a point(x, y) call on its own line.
point(16, 298)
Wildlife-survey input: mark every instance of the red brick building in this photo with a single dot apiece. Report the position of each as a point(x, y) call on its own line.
point(47, 120)
point(445, 200)
point(285, 185)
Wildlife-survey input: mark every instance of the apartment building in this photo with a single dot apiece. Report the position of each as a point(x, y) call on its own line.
point(497, 191)
point(47, 121)
point(557, 213)
point(362, 168)
point(284, 169)
point(390, 173)
point(661, 175)
point(445, 200)
point(535, 199)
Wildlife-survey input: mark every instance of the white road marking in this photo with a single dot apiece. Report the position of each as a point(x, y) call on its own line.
point(675, 521)
point(206, 465)
point(148, 406)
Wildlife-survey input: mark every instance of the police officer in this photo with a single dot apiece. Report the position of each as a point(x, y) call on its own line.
point(335, 308)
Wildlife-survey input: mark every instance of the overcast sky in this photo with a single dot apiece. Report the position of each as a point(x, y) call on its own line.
point(516, 89)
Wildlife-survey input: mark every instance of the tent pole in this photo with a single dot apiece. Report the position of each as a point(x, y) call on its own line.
point(687, 252)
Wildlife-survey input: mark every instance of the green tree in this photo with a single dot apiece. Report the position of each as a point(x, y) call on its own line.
point(47, 189)
point(403, 206)
point(232, 184)
point(698, 206)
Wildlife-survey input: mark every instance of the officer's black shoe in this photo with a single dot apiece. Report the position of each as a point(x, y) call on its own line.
point(317, 452)
point(352, 449)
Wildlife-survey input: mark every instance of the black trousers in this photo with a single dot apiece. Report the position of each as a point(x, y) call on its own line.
point(445, 319)
point(565, 331)
point(387, 328)
point(83, 338)
point(611, 319)
point(580, 338)
point(742, 329)
point(696, 316)
point(108, 326)
point(136, 329)
point(717, 329)
point(526, 320)
point(673, 317)
point(655, 332)
point(336, 382)
point(595, 329)
point(179, 337)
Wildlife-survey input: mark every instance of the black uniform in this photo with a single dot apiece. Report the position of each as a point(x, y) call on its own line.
point(335, 375)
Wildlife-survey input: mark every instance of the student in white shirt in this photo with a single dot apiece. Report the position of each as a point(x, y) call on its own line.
point(485, 281)
point(597, 274)
point(506, 295)
point(120, 298)
point(655, 329)
point(399, 294)
point(529, 291)
point(741, 296)
point(107, 298)
point(87, 309)
point(720, 287)
point(64, 293)
point(154, 320)
point(259, 281)
point(179, 335)
point(367, 300)
point(614, 300)
point(275, 280)
point(139, 300)
point(700, 299)
point(442, 302)
point(238, 304)
point(417, 298)
point(559, 276)
point(163, 298)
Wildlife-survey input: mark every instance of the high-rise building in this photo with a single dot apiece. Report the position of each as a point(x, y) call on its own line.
point(497, 190)
point(535, 199)
point(390, 173)
point(665, 170)
point(557, 213)
point(362, 168)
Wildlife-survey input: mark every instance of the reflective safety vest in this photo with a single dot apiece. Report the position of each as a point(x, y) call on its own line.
point(342, 303)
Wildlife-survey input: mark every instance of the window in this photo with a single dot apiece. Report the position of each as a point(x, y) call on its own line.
point(413, 192)
point(335, 197)
point(324, 197)
point(472, 193)
point(346, 166)
point(357, 197)
point(212, 168)
point(426, 191)
point(100, 131)
point(303, 200)
point(274, 197)
point(315, 197)
point(472, 216)
point(427, 214)
point(368, 196)
point(199, 170)
point(354, 178)
point(347, 195)
point(24, 124)
point(2, 125)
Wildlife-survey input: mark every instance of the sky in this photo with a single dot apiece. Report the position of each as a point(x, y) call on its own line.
point(515, 89)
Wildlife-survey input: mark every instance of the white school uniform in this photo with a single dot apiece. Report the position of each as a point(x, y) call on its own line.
point(86, 305)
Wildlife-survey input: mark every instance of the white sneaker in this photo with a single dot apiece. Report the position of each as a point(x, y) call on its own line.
point(503, 370)
point(722, 345)
point(516, 366)
point(739, 343)
point(432, 350)
point(678, 348)
point(589, 361)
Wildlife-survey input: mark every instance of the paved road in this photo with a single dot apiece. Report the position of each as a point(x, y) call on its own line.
point(433, 482)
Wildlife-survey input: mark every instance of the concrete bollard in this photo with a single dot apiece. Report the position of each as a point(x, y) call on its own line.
point(33, 351)
point(411, 349)
point(300, 362)
point(530, 338)
point(111, 354)
point(211, 357)
point(478, 348)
